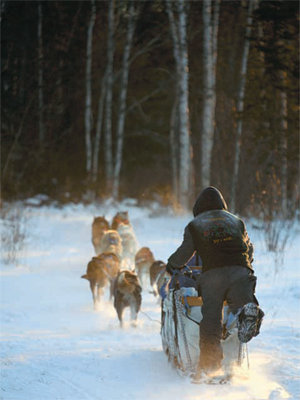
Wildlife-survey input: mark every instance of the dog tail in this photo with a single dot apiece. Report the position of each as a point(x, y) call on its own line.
point(85, 276)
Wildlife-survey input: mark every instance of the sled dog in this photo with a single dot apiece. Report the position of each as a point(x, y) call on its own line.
point(101, 270)
point(157, 275)
point(129, 245)
point(111, 242)
point(127, 293)
point(121, 217)
point(143, 260)
point(99, 226)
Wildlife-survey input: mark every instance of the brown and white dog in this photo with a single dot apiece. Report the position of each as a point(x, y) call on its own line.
point(121, 217)
point(112, 243)
point(99, 226)
point(101, 270)
point(143, 260)
point(157, 275)
point(127, 293)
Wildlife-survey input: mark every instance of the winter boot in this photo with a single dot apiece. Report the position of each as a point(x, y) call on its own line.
point(249, 322)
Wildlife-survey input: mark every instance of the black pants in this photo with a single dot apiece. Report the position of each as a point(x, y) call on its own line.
point(235, 284)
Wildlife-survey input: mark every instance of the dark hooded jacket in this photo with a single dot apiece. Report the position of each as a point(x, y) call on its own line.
point(219, 237)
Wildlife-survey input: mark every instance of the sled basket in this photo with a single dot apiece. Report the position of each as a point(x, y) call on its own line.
point(180, 319)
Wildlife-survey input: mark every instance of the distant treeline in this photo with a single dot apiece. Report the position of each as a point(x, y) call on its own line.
point(151, 99)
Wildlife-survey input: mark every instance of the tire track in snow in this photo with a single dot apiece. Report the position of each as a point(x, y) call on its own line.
point(82, 393)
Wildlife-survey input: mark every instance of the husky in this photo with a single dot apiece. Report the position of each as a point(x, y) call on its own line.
point(101, 270)
point(99, 226)
point(121, 217)
point(127, 293)
point(157, 276)
point(129, 244)
point(143, 260)
point(111, 242)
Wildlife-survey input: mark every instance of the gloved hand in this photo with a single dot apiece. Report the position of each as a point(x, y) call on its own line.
point(172, 270)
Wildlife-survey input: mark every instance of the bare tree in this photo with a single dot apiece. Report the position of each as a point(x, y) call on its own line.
point(40, 76)
point(108, 100)
point(240, 103)
point(283, 142)
point(18, 130)
point(174, 113)
point(96, 146)
point(113, 164)
point(122, 99)
point(210, 43)
point(174, 148)
point(88, 83)
point(185, 162)
point(178, 32)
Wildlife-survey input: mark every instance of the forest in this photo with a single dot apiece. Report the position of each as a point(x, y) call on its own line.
point(152, 100)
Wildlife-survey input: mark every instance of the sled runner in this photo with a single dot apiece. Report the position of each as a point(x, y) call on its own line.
point(180, 319)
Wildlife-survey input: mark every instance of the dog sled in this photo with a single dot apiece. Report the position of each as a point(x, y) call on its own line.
point(180, 319)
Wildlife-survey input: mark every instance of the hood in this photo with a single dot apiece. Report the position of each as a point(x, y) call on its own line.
point(209, 199)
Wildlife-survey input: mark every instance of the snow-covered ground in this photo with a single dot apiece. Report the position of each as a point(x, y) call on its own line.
point(55, 346)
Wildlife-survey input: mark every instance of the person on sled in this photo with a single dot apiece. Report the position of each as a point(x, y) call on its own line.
point(221, 240)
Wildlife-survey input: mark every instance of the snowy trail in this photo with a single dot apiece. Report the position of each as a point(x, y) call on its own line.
point(55, 346)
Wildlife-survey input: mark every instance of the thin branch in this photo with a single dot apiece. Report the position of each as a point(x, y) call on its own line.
point(10, 153)
point(174, 32)
point(142, 100)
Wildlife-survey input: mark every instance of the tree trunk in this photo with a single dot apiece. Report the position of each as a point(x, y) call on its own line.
point(184, 161)
point(88, 83)
point(98, 128)
point(210, 43)
point(174, 119)
point(22, 76)
point(40, 76)
point(174, 149)
point(174, 33)
point(122, 101)
point(108, 101)
point(17, 136)
point(178, 31)
point(283, 149)
point(240, 105)
point(2, 9)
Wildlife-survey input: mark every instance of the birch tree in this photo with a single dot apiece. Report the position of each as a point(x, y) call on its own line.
point(178, 32)
point(88, 83)
point(174, 122)
point(122, 99)
point(40, 76)
point(240, 103)
point(283, 144)
point(174, 148)
point(185, 162)
point(210, 43)
point(108, 156)
point(96, 146)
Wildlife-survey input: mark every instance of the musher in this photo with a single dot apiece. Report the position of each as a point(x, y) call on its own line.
point(221, 240)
